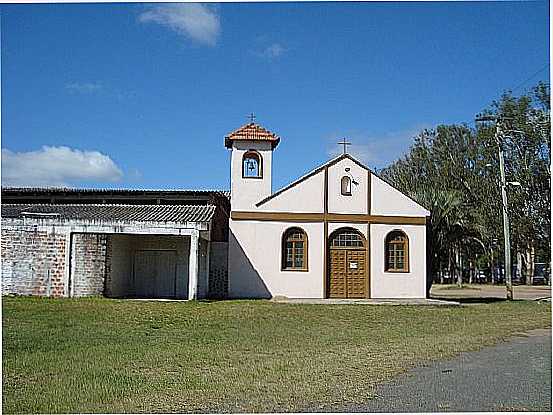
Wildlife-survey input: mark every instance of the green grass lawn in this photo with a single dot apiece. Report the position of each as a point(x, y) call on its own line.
point(100, 355)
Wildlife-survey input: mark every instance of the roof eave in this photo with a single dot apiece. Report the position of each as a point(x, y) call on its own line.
point(328, 164)
point(274, 141)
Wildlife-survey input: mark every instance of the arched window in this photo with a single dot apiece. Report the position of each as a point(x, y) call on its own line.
point(252, 165)
point(294, 250)
point(346, 186)
point(397, 252)
point(346, 238)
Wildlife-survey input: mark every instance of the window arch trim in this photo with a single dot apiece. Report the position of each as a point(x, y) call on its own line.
point(252, 154)
point(339, 239)
point(396, 252)
point(293, 238)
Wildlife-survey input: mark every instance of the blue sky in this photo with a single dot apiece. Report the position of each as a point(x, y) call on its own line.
point(142, 95)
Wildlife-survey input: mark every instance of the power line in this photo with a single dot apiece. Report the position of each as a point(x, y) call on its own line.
point(530, 77)
point(518, 86)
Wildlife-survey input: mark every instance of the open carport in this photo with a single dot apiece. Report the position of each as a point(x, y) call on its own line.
point(138, 251)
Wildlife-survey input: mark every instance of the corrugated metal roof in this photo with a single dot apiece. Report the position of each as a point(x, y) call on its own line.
point(111, 213)
point(9, 189)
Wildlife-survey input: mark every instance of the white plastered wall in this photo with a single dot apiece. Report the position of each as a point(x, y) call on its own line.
point(410, 284)
point(246, 192)
point(357, 202)
point(255, 261)
point(387, 200)
point(305, 197)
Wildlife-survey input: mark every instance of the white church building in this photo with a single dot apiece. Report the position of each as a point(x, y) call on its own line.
point(340, 231)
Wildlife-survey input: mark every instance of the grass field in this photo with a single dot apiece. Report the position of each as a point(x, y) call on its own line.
point(100, 355)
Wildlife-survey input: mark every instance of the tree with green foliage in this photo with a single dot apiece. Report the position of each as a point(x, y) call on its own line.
point(453, 170)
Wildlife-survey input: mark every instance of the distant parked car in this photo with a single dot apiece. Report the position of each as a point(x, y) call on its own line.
point(481, 276)
point(541, 274)
point(498, 275)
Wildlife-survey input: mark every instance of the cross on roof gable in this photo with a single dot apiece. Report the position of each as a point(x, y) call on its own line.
point(252, 131)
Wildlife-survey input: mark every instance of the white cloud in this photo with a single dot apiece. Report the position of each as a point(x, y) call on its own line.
point(57, 166)
point(273, 51)
point(194, 20)
point(376, 150)
point(84, 87)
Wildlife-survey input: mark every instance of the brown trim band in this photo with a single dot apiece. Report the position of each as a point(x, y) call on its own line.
point(328, 217)
point(277, 216)
point(397, 220)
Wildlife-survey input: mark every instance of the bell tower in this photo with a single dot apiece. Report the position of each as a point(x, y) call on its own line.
point(251, 165)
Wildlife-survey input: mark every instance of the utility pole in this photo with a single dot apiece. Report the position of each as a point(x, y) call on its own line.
point(506, 230)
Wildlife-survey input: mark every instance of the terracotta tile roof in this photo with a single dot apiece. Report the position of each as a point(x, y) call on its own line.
point(111, 213)
point(252, 131)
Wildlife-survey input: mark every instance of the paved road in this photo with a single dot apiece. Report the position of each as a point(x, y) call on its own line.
point(520, 292)
point(512, 376)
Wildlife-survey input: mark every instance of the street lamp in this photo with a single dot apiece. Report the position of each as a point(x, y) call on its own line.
point(506, 230)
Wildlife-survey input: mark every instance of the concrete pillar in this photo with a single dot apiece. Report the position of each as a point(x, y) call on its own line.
point(67, 270)
point(193, 266)
point(207, 269)
point(71, 277)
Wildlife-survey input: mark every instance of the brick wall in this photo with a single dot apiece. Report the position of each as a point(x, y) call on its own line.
point(33, 262)
point(88, 264)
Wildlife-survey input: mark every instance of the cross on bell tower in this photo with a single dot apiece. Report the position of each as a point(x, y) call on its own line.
point(345, 144)
point(252, 117)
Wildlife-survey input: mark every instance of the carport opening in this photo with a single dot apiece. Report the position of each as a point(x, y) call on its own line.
point(144, 266)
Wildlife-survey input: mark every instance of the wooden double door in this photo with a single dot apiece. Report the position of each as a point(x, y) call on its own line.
point(347, 274)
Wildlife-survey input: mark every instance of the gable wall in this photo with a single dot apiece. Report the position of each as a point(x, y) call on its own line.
point(386, 200)
point(305, 197)
point(358, 201)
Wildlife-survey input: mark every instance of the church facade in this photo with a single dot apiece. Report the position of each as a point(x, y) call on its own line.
point(340, 231)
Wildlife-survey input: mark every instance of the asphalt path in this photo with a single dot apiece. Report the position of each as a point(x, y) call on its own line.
point(486, 291)
point(512, 376)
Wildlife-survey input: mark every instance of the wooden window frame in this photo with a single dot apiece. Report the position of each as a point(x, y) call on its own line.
point(305, 241)
point(345, 193)
point(387, 245)
point(248, 154)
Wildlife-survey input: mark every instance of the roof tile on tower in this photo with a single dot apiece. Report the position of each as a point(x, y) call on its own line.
point(252, 131)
